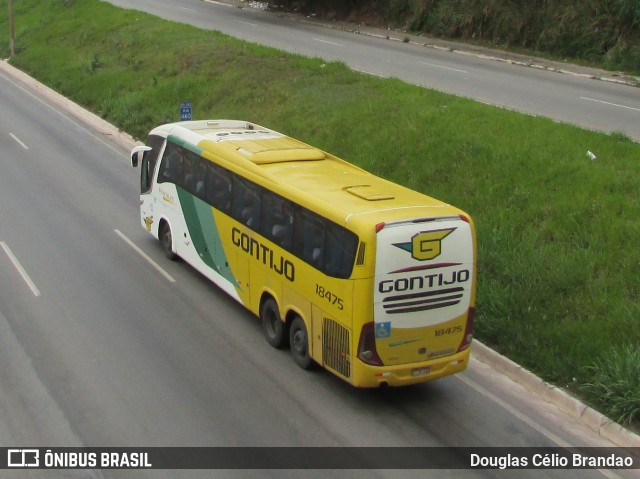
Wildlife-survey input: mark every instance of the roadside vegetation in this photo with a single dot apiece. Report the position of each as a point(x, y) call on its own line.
point(559, 263)
point(604, 33)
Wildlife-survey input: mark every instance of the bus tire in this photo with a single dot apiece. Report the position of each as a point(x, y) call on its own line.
point(275, 330)
point(166, 241)
point(299, 340)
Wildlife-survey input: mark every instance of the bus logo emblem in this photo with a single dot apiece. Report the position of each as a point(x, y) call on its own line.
point(426, 245)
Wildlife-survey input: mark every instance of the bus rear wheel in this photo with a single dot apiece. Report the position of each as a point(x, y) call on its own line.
point(166, 241)
point(299, 340)
point(275, 330)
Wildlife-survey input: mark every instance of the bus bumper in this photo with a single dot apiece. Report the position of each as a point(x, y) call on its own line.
point(406, 374)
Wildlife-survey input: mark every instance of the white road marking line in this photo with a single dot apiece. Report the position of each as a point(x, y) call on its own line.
point(527, 420)
point(247, 23)
point(219, 3)
point(19, 141)
point(20, 269)
point(513, 411)
point(328, 42)
point(443, 67)
point(370, 73)
point(65, 112)
point(610, 104)
point(145, 256)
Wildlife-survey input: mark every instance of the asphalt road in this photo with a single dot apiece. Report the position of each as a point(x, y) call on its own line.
point(593, 104)
point(101, 345)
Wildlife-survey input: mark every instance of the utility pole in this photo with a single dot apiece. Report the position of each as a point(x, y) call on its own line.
point(12, 32)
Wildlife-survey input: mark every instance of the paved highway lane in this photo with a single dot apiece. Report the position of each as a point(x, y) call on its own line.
point(99, 347)
point(592, 104)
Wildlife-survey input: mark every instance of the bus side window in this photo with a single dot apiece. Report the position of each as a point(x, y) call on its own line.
point(171, 165)
point(251, 209)
point(277, 219)
point(199, 178)
point(309, 238)
point(187, 176)
point(194, 171)
point(246, 204)
point(218, 188)
point(341, 246)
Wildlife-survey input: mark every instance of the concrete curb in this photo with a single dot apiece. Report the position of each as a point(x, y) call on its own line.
point(567, 403)
point(486, 53)
point(60, 102)
point(604, 426)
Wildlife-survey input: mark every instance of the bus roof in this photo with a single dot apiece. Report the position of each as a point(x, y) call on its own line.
point(316, 176)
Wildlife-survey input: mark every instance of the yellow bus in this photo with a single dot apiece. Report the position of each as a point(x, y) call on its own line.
point(371, 280)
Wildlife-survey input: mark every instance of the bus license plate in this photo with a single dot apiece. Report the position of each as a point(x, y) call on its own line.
point(420, 371)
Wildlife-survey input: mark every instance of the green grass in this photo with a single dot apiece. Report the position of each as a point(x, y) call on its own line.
point(615, 383)
point(558, 261)
point(604, 33)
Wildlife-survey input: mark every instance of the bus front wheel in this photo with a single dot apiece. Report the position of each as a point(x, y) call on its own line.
point(299, 340)
point(166, 240)
point(275, 330)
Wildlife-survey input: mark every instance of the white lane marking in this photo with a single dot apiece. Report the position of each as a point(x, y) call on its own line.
point(443, 67)
point(18, 141)
point(219, 3)
point(20, 269)
point(610, 104)
point(66, 112)
point(145, 256)
point(527, 420)
point(328, 42)
point(370, 73)
point(247, 23)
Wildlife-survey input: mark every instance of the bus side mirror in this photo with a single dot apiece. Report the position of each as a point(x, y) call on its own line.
point(135, 154)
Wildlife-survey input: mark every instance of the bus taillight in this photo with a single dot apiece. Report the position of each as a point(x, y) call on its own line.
point(468, 331)
point(367, 348)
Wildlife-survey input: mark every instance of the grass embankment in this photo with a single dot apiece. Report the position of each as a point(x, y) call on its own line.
point(558, 232)
point(603, 33)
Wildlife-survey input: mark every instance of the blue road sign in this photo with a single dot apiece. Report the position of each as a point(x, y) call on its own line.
point(185, 111)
